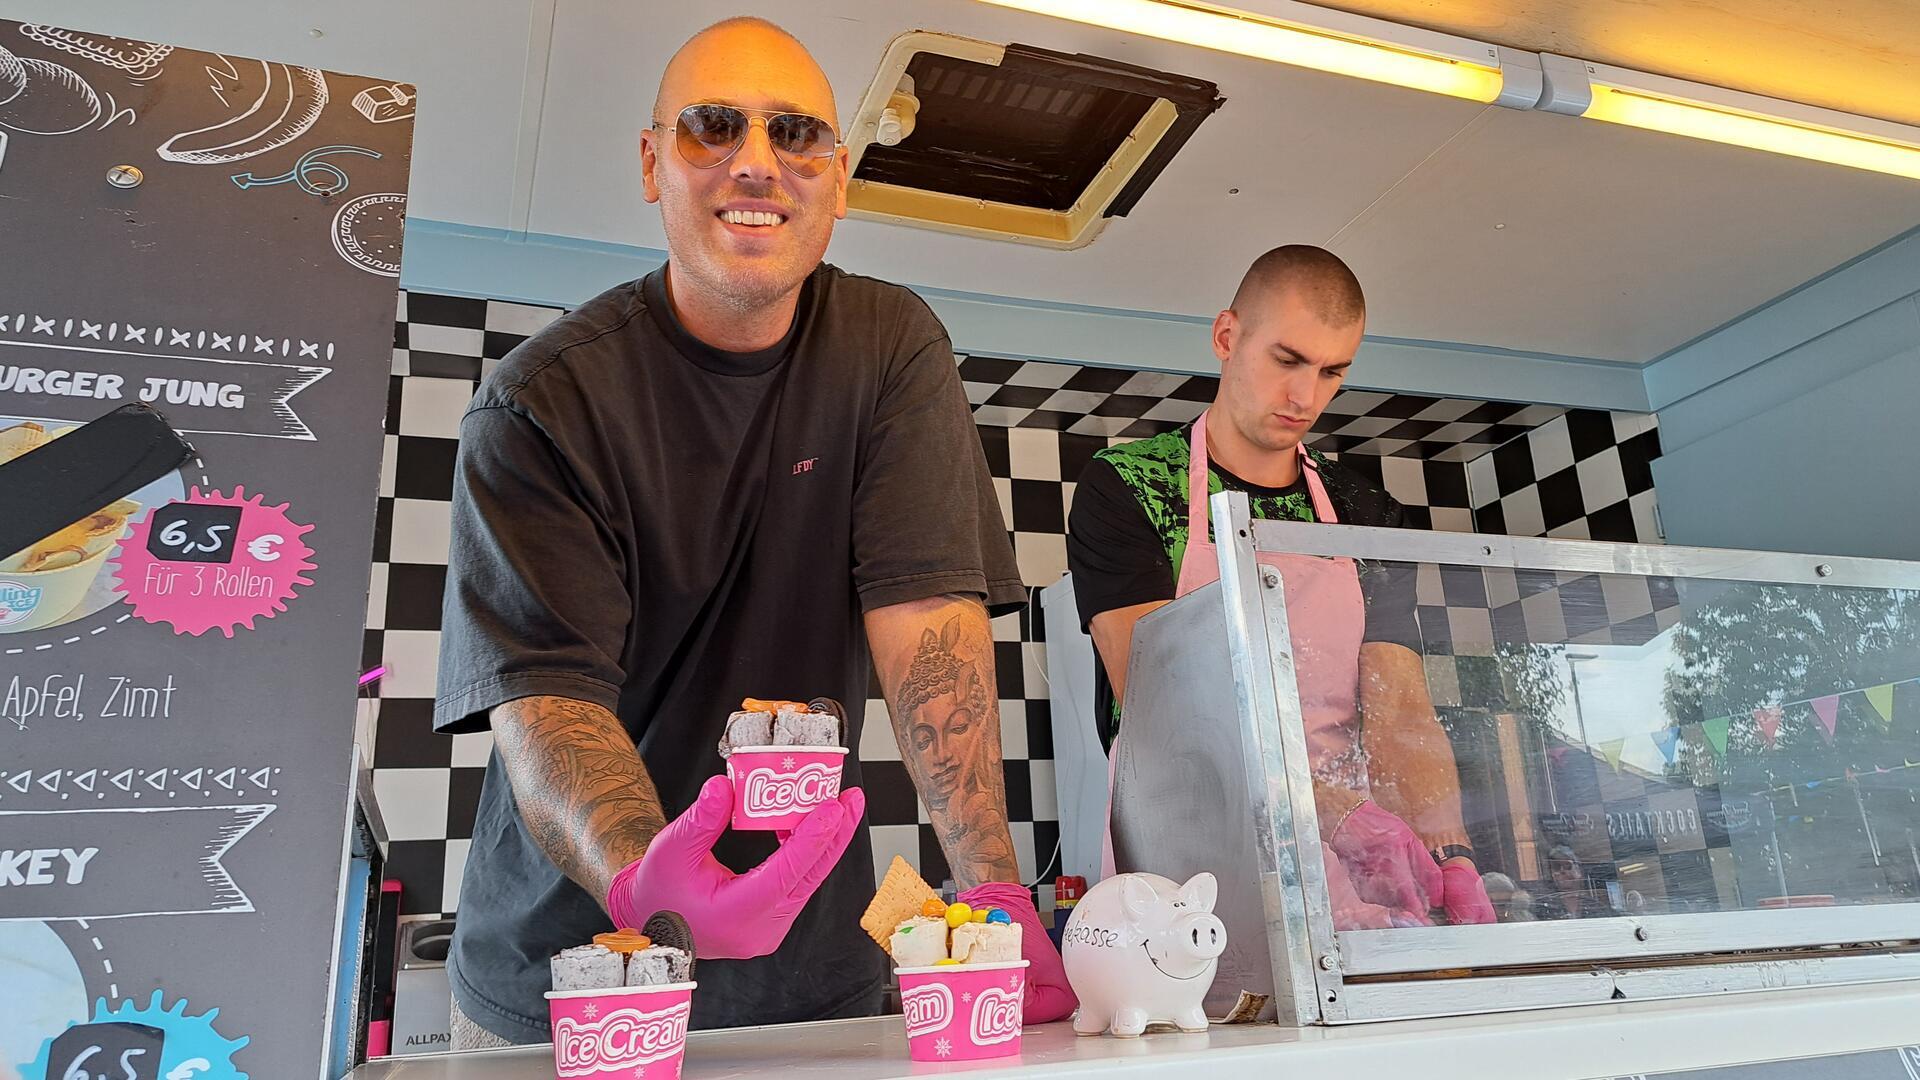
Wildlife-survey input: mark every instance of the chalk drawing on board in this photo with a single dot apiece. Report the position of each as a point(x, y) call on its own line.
point(367, 232)
point(13, 76)
point(385, 104)
point(200, 836)
point(225, 77)
point(40, 97)
point(139, 59)
point(288, 105)
point(95, 781)
point(314, 174)
point(114, 113)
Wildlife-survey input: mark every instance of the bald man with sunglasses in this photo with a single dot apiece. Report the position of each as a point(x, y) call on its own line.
point(742, 475)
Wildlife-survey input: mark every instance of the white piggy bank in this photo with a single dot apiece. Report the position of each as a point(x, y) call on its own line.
point(1141, 950)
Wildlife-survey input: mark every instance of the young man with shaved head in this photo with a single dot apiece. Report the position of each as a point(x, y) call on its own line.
point(1384, 778)
point(741, 475)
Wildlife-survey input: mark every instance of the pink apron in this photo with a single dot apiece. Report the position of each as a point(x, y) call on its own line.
point(1326, 615)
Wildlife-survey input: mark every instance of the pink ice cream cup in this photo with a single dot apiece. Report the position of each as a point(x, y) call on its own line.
point(963, 1012)
point(620, 1031)
point(775, 786)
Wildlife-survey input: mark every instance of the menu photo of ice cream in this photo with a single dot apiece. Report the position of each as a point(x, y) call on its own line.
point(60, 579)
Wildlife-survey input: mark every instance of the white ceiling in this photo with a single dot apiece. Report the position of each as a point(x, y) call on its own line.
point(1617, 244)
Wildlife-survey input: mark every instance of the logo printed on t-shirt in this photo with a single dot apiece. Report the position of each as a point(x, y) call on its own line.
point(805, 466)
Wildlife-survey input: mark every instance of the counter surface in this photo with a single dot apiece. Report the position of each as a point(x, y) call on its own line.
point(1554, 1044)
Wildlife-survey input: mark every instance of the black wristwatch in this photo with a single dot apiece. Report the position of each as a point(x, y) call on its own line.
point(1456, 851)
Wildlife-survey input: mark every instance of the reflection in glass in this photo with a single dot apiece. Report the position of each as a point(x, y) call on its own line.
point(1647, 745)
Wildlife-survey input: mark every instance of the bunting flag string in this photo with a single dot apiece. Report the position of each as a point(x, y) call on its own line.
point(1848, 776)
point(1767, 720)
point(1826, 710)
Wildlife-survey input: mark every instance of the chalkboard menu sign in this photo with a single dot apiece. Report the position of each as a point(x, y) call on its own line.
point(205, 247)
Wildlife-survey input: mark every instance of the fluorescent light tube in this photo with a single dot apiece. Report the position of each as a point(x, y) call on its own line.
point(1657, 103)
point(1460, 68)
point(1715, 125)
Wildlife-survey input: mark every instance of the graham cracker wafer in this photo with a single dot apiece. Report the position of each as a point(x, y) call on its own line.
point(901, 894)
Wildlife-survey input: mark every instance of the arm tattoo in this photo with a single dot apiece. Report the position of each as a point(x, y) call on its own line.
point(584, 795)
point(947, 721)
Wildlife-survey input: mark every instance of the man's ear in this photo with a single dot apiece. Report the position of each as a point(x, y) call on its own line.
point(841, 157)
point(1225, 326)
point(649, 162)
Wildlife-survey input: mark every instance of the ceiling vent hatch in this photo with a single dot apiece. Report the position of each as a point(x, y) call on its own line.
point(1014, 142)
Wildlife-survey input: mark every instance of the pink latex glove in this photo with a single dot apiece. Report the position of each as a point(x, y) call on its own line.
point(1047, 997)
point(732, 916)
point(1349, 911)
point(1463, 895)
point(1388, 863)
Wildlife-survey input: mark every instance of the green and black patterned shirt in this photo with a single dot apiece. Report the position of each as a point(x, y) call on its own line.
point(1127, 536)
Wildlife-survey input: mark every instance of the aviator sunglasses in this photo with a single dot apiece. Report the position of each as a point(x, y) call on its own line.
point(709, 135)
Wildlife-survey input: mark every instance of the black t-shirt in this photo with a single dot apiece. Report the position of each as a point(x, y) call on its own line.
point(1127, 537)
point(659, 528)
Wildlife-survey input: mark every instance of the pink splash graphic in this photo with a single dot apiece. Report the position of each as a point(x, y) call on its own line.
point(266, 560)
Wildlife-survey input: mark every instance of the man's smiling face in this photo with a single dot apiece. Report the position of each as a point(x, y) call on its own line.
point(749, 230)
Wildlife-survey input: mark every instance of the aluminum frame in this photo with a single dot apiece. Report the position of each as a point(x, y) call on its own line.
point(1581, 556)
point(1412, 999)
point(1621, 938)
point(1256, 618)
point(1277, 766)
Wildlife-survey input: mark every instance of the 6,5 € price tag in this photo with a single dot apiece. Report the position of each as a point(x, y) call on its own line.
point(194, 532)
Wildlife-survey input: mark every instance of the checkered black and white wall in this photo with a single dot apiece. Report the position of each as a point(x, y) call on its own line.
point(1585, 475)
point(1039, 425)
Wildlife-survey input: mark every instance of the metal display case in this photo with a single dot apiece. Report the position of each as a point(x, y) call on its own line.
point(1685, 771)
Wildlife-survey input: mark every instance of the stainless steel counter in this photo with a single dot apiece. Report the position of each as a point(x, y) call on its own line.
point(1630, 1038)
